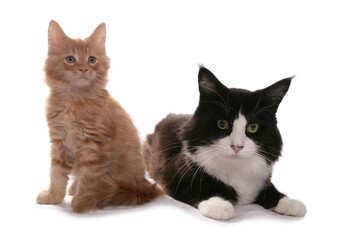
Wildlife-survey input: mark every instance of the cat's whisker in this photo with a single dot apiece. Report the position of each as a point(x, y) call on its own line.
point(200, 167)
point(190, 167)
point(55, 69)
point(264, 109)
point(187, 168)
point(266, 158)
point(224, 102)
point(269, 153)
point(171, 160)
point(224, 107)
point(184, 171)
point(203, 171)
point(178, 145)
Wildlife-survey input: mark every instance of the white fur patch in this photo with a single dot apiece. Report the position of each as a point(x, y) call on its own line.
point(217, 208)
point(290, 207)
point(245, 170)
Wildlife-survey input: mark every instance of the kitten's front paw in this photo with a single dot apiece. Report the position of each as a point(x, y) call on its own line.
point(217, 208)
point(46, 197)
point(290, 207)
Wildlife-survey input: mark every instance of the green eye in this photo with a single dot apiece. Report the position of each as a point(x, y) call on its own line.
point(70, 59)
point(91, 60)
point(253, 127)
point(223, 124)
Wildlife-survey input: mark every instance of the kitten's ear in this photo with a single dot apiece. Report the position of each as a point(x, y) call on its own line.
point(275, 93)
point(208, 83)
point(97, 38)
point(56, 37)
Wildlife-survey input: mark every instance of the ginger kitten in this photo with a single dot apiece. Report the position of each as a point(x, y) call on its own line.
point(92, 137)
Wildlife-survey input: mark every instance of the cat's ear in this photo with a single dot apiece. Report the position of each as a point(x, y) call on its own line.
point(275, 93)
point(97, 38)
point(208, 83)
point(56, 37)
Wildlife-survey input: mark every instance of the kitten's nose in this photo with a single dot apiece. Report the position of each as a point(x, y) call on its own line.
point(83, 69)
point(236, 148)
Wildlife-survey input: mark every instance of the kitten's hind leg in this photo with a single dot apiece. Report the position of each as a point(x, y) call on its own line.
point(217, 208)
point(73, 188)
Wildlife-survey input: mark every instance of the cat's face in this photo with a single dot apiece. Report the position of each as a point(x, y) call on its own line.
point(235, 124)
point(75, 63)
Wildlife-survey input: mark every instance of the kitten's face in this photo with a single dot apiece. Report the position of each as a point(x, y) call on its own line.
point(75, 63)
point(235, 124)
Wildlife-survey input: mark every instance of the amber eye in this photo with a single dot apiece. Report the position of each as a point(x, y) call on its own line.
point(253, 127)
point(70, 59)
point(92, 60)
point(223, 124)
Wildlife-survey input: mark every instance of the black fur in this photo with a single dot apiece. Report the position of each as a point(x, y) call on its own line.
point(169, 163)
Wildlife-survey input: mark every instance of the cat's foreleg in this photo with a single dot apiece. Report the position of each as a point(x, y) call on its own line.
point(217, 208)
point(271, 198)
point(59, 172)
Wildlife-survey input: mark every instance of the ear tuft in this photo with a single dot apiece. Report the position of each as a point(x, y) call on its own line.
point(98, 37)
point(277, 91)
point(56, 37)
point(208, 83)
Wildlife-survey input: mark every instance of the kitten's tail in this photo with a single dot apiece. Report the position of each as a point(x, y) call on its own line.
point(117, 193)
point(136, 194)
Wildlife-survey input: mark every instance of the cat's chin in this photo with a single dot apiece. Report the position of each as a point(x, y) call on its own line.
point(238, 157)
point(81, 82)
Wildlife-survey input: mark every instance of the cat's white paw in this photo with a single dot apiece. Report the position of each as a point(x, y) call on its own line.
point(217, 208)
point(290, 207)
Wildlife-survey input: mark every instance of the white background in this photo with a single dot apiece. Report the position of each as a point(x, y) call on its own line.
point(155, 48)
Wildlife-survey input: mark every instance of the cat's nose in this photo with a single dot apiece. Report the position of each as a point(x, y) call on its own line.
point(83, 69)
point(236, 148)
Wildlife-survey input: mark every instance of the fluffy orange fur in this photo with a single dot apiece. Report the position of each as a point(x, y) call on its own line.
point(92, 137)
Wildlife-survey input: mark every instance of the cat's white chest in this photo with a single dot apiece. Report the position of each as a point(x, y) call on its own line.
point(246, 176)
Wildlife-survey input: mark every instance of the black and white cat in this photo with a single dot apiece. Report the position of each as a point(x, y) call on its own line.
point(224, 153)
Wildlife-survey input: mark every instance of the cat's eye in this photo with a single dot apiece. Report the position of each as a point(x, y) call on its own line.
point(70, 59)
point(92, 60)
point(253, 127)
point(223, 124)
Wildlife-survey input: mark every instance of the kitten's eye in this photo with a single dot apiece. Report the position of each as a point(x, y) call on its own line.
point(253, 127)
point(223, 124)
point(91, 60)
point(70, 59)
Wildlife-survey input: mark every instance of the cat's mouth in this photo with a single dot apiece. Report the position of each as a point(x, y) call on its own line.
point(82, 81)
point(235, 157)
point(83, 76)
point(86, 77)
point(240, 156)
